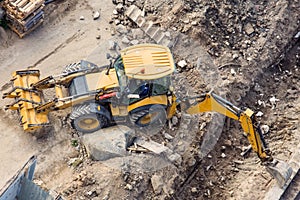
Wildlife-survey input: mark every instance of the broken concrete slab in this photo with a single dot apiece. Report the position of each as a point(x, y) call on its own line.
point(159, 149)
point(108, 143)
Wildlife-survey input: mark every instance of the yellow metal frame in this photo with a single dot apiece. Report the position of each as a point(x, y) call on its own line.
point(244, 117)
point(147, 61)
point(161, 99)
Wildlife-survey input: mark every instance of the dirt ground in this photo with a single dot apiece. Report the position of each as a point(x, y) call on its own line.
point(254, 56)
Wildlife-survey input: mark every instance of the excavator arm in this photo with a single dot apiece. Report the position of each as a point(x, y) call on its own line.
point(280, 170)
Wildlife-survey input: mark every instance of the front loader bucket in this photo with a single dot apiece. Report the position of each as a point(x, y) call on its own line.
point(26, 99)
point(281, 171)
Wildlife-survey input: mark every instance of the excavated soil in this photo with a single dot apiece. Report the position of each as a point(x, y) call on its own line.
point(254, 56)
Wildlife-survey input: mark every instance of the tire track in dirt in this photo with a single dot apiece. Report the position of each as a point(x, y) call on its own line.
point(57, 49)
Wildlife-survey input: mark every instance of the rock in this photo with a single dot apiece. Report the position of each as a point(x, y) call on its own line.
point(194, 190)
point(128, 187)
point(168, 136)
point(119, 8)
point(115, 12)
point(182, 63)
point(228, 143)
point(168, 34)
point(108, 143)
point(265, 129)
point(260, 102)
point(98, 37)
point(249, 28)
point(81, 18)
point(125, 40)
point(273, 101)
point(259, 114)
point(134, 42)
point(175, 158)
point(137, 33)
point(194, 23)
point(96, 15)
point(74, 162)
point(223, 155)
point(235, 56)
point(209, 156)
point(106, 197)
point(112, 45)
point(232, 72)
point(120, 28)
point(117, 22)
point(175, 120)
point(157, 183)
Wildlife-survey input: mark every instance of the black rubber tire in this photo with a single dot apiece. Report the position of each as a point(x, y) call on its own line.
point(72, 68)
point(149, 119)
point(79, 66)
point(85, 121)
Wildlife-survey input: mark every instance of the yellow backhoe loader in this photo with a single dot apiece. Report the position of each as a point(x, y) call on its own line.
point(135, 88)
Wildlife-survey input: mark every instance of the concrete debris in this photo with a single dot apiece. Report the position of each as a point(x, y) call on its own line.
point(137, 33)
point(175, 120)
point(223, 155)
point(115, 12)
point(119, 8)
point(134, 42)
point(260, 102)
point(96, 15)
point(232, 72)
point(259, 114)
point(75, 162)
point(273, 100)
point(128, 187)
point(182, 63)
point(235, 56)
point(194, 190)
point(121, 29)
point(157, 183)
point(249, 29)
point(168, 136)
point(108, 143)
point(112, 45)
point(81, 17)
point(265, 128)
point(125, 40)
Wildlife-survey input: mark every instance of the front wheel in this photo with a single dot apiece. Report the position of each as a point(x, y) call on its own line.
point(85, 121)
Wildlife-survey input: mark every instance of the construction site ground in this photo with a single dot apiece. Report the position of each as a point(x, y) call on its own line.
point(254, 49)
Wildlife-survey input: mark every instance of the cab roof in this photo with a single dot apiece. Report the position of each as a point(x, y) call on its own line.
point(147, 61)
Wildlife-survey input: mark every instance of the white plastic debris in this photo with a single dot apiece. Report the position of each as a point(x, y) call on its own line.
point(265, 129)
point(259, 114)
point(182, 63)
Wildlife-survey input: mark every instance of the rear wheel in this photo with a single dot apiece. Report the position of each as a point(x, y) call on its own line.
point(150, 120)
point(79, 66)
point(85, 121)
